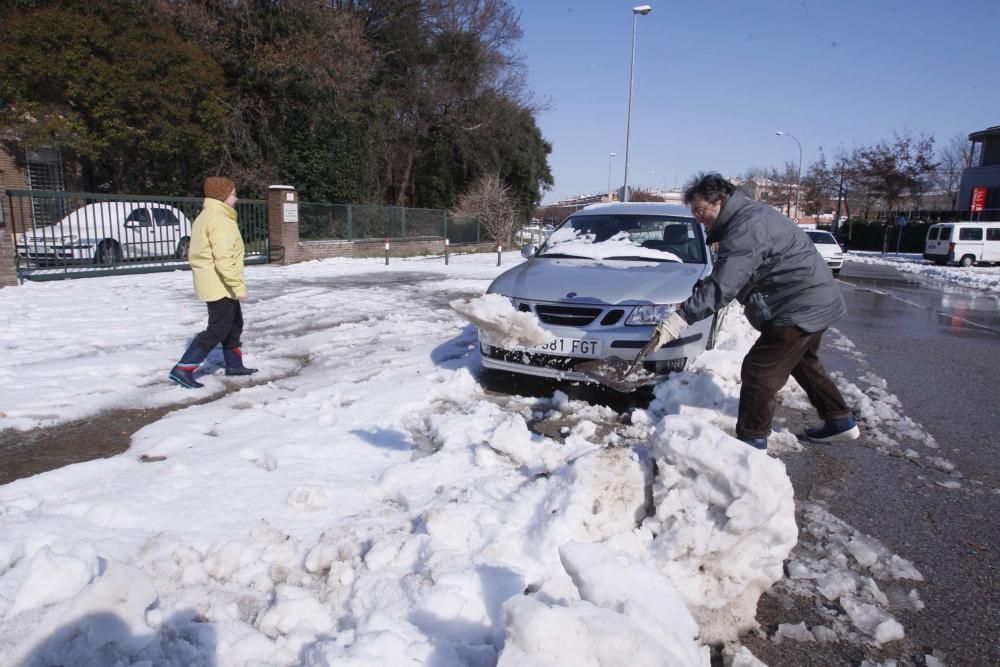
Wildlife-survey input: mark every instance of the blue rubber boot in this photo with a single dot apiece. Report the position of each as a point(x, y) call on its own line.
point(835, 430)
point(234, 362)
point(183, 372)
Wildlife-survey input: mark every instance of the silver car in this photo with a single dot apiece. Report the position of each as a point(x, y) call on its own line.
point(600, 283)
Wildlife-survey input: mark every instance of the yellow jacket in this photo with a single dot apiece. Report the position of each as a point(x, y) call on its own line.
point(216, 253)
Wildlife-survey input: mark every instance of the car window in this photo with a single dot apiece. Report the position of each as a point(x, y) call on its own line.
point(627, 237)
point(932, 235)
point(826, 238)
point(165, 217)
point(993, 234)
point(970, 234)
point(139, 218)
point(945, 234)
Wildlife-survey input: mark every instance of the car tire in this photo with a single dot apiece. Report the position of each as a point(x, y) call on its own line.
point(183, 246)
point(108, 253)
point(967, 260)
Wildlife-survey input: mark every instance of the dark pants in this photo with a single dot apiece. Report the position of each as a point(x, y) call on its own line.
point(225, 325)
point(778, 353)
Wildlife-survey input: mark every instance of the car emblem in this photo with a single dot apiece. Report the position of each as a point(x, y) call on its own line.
point(570, 294)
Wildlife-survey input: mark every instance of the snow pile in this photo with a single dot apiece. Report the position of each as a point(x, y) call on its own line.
point(627, 614)
point(376, 506)
point(724, 523)
point(500, 324)
point(976, 277)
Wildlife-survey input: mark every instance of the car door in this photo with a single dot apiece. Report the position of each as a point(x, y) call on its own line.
point(140, 234)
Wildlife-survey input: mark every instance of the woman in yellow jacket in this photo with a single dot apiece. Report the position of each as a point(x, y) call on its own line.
point(216, 258)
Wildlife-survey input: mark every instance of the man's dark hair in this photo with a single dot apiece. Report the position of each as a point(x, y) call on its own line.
point(710, 186)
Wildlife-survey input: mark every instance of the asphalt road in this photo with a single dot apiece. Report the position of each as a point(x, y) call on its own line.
point(938, 349)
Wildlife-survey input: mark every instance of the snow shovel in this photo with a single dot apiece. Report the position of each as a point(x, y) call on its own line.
point(619, 374)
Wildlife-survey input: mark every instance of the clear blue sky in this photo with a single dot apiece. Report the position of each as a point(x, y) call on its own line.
point(714, 80)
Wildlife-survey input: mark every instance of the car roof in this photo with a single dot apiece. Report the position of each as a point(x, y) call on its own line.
point(636, 208)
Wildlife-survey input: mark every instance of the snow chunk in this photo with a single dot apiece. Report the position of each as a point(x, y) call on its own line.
point(52, 578)
point(724, 523)
point(871, 620)
point(629, 615)
point(500, 324)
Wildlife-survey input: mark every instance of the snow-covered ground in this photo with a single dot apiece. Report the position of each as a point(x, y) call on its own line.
point(979, 277)
point(364, 501)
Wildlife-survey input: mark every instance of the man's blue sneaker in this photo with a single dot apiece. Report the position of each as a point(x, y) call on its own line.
point(835, 430)
point(756, 443)
point(184, 376)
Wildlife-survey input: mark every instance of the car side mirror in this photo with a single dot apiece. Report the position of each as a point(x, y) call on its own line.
point(528, 251)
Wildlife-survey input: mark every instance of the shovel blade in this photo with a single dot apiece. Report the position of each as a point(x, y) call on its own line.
point(612, 373)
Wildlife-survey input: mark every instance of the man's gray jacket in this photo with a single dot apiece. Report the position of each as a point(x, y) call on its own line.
point(770, 266)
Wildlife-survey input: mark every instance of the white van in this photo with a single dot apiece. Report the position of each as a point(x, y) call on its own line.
point(964, 243)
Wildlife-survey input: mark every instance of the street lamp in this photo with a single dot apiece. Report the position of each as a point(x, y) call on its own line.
point(636, 12)
point(798, 180)
point(609, 175)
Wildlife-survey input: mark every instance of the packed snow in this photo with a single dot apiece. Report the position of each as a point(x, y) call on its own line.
point(363, 500)
point(500, 324)
point(979, 277)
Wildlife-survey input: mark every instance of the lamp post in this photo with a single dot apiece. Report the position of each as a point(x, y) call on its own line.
point(641, 10)
point(610, 156)
point(798, 180)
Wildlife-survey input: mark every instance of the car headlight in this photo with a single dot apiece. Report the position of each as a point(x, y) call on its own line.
point(650, 315)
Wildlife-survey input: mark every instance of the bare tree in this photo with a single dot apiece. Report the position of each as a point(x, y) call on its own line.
point(888, 172)
point(952, 159)
point(489, 199)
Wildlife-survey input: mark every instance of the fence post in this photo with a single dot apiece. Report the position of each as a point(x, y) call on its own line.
point(402, 216)
point(387, 251)
point(350, 223)
point(283, 224)
point(445, 234)
point(499, 252)
point(446, 251)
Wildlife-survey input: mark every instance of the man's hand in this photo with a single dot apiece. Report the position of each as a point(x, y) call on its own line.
point(669, 329)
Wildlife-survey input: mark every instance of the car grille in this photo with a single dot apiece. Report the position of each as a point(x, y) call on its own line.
point(567, 316)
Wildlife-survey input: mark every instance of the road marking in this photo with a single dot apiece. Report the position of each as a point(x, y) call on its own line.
point(939, 313)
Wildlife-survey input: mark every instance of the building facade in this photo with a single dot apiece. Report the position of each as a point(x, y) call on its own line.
point(979, 188)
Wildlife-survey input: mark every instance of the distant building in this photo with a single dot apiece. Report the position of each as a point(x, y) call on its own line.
point(979, 188)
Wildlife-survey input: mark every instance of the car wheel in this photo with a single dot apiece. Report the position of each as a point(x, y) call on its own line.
point(182, 248)
point(968, 260)
point(108, 253)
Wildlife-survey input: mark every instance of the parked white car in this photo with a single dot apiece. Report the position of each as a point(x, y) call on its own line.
point(827, 246)
point(108, 232)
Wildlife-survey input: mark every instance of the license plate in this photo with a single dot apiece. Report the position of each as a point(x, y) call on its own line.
point(571, 347)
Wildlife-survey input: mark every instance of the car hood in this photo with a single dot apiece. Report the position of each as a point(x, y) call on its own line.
point(599, 282)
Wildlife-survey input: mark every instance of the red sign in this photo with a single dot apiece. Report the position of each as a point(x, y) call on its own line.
point(978, 199)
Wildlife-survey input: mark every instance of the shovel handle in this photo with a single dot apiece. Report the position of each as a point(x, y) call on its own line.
point(643, 353)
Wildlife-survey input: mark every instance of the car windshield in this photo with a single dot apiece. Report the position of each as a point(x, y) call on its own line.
point(636, 238)
point(825, 238)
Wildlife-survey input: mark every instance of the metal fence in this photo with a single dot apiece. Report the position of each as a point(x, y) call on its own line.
point(74, 234)
point(352, 222)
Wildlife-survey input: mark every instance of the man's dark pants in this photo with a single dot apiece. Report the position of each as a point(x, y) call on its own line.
point(778, 353)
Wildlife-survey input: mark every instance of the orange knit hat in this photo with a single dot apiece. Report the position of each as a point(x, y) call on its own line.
point(219, 187)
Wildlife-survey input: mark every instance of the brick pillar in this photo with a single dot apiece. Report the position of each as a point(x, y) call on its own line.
point(8, 274)
point(283, 223)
